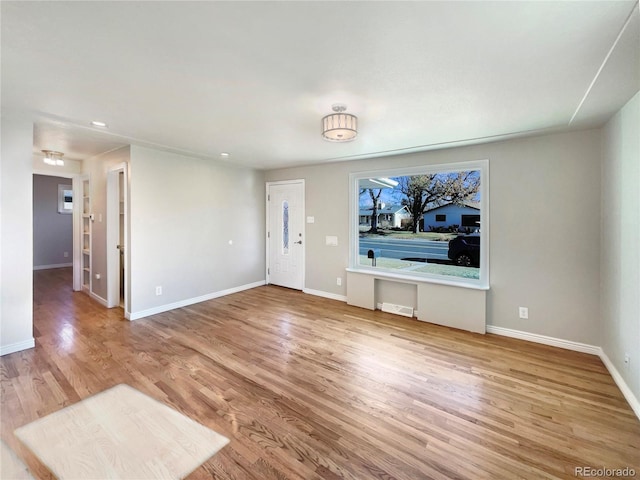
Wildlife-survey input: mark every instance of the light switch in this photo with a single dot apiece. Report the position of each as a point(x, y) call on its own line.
point(331, 241)
point(311, 220)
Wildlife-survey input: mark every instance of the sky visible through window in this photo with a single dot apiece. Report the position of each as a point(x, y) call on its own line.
point(394, 196)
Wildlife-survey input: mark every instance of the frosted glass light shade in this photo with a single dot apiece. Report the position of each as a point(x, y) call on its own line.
point(53, 158)
point(339, 127)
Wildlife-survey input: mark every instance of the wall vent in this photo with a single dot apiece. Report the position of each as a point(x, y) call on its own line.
point(397, 309)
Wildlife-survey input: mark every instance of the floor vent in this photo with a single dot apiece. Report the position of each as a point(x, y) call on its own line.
point(397, 309)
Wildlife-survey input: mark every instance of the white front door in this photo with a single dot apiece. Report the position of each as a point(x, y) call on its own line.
point(285, 234)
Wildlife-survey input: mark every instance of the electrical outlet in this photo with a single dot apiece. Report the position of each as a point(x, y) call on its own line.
point(338, 281)
point(523, 312)
point(158, 290)
point(65, 254)
point(627, 361)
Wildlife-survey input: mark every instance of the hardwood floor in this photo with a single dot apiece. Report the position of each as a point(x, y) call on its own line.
point(310, 388)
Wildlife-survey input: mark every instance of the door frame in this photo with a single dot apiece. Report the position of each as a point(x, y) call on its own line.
point(268, 221)
point(76, 214)
point(113, 229)
point(76, 181)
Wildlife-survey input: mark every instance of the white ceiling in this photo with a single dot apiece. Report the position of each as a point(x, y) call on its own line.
point(255, 78)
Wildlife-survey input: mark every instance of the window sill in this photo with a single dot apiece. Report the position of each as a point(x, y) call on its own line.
point(416, 279)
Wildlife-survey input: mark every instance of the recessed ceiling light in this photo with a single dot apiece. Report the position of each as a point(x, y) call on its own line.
point(95, 123)
point(224, 154)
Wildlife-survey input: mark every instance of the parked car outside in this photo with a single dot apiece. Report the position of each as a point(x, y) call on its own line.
point(464, 250)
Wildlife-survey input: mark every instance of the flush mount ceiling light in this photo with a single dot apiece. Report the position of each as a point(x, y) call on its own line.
point(339, 126)
point(96, 123)
point(52, 157)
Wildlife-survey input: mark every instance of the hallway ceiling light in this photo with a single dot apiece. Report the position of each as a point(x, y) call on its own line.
point(339, 126)
point(96, 123)
point(54, 158)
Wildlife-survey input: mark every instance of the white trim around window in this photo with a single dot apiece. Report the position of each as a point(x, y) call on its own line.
point(482, 166)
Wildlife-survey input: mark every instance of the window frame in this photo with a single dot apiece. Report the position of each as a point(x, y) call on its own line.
point(482, 283)
point(62, 189)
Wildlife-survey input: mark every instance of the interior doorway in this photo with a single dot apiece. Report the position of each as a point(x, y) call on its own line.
point(118, 289)
point(53, 239)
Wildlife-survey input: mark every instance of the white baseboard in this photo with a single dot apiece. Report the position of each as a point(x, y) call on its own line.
point(578, 347)
point(56, 265)
point(320, 293)
point(543, 339)
point(17, 347)
point(98, 299)
point(622, 385)
point(191, 301)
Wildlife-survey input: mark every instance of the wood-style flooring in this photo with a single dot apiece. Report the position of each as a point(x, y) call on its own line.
point(309, 388)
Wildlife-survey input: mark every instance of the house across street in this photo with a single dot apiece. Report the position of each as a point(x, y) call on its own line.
point(389, 216)
point(466, 216)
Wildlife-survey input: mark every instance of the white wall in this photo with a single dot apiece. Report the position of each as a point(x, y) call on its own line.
point(97, 168)
point(52, 231)
point(620, 259)
point(184, 212)
point(544, 227)
point(16, 235)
